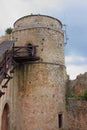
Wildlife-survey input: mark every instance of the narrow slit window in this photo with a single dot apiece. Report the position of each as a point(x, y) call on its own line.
point(60, 120)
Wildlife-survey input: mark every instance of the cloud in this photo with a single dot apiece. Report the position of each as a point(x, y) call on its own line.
point(75, 4)
point(26, 6)
point(75, 65)
point(47, 4)
point(75, 59)
point(11, 10)
point(73, 70)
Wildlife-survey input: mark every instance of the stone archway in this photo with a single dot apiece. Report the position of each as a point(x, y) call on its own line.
point(5, 118)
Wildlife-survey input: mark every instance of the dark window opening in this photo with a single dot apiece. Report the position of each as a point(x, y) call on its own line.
point(31, 50)
point(60, 120)
point(42, 49)
point(43, 39)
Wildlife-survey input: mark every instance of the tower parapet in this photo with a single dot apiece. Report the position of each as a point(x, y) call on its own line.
point(44, 31)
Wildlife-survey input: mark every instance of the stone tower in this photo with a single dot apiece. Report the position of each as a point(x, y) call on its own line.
point(39, 87)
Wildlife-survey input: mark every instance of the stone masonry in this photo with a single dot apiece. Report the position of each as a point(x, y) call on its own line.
point(35, 97)
point(76, 104)
point(36, 94)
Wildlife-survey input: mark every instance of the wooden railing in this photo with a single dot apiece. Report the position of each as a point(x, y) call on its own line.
point(12, 58)
point(25, 53)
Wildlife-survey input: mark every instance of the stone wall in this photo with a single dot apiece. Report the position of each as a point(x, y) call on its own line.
point(6, 38)
point(41, 84)
point(49, 39)
point(9, 98)
point(38, 99)
point(77, 86)
point(77, 106)
point(36, 94)
point(36, 21)
point(77, 114)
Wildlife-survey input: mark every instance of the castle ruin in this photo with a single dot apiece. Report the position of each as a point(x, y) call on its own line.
point(34, 80)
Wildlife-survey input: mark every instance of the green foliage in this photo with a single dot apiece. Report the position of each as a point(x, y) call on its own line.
point(85, 95)
point(79, 97)
point(69, 95)
point(8, 30)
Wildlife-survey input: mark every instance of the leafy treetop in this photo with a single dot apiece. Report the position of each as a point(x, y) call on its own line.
point(8, 30)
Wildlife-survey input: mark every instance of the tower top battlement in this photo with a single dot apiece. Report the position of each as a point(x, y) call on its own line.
point(37, 21)
point(38, 15)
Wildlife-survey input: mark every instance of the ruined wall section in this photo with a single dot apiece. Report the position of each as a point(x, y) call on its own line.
point(77, 114)
point(77, 86)
point(76, 104)
point(9, 98)
point(10, 92)
point(7, 37)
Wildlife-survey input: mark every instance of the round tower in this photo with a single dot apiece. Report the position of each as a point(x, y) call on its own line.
point(40, 85)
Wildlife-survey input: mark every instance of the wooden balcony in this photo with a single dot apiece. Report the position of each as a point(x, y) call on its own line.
point(24, 54)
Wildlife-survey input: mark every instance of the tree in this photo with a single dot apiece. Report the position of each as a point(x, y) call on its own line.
point(8, 30)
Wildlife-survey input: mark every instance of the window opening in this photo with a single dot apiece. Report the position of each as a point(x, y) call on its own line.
point(31, 50)
point(60, 120)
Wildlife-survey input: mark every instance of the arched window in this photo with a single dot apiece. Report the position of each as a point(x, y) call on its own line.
point(5, 118)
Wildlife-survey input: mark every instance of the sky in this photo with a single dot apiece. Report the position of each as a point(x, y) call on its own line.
point(72, 13)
